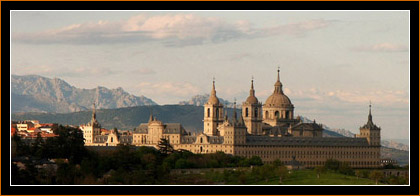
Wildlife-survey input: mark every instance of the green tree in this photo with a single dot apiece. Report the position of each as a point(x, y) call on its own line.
point(282, 172)
point(165, 147)
point(277, 163)
point(376, 175)
point(319, 170)
point(181, 163)
point(37, 145)
point(255, 160)
point(358, 173)
point(345, 169)
point(332, 164)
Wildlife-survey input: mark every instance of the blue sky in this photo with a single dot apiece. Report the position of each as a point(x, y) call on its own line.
point(332, 62)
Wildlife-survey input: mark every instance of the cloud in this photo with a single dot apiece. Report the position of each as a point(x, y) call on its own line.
point(80, 72)
point(144, 71)
point(297, 29)
point(169, 29)
point(382, 47)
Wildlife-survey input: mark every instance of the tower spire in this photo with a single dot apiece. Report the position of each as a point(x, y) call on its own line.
point(213, 90)
point(151, 116)
point(94, 112)
point(370, 113)
point(234, 110)
point(278, 87)
point(252, 91)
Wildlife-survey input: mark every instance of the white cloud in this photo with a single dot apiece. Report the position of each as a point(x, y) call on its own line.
point(297, 29)
point(143, 71)
point(382, 47)
point(83, 71)
point(173, 30)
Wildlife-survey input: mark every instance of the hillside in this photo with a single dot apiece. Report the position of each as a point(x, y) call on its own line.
point(191, 117)
point(400, 155)
point(33, 93)
point(200, 100)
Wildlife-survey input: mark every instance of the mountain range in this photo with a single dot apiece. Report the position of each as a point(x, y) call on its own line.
point(33, 93)
point(200, 100)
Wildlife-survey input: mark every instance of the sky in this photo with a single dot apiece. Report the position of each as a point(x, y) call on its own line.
point(332, 63)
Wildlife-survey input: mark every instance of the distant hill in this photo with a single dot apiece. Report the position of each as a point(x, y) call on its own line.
point(394, 144)
point(330, 132)
point(401, 156)
point(33, 93)
point(191, 117)
point(200, 100)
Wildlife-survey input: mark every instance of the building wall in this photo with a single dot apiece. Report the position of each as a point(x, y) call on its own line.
point(252, 119)
point(89, 132)
point(312, 156)
point(213, 117)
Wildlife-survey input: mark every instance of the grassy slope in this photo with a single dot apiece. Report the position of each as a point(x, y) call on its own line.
point(308, 177)
point(298, 177)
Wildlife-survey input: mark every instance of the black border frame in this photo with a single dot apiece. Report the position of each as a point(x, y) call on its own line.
point(413, 6)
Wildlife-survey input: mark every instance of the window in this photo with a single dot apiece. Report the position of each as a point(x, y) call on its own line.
point(266, 114)
point(246, 112)
point(277, 114)
point(112, 139)
point(256, 112)
point(201, 140)
point(287, 114)
point(208, 112)
point(217, 113)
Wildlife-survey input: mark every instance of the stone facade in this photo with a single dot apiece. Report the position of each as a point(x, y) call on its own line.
point(269, 131)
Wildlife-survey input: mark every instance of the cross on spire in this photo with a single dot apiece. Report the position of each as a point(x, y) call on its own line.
point(252, 92)
point(370, 113)
point(213, 90)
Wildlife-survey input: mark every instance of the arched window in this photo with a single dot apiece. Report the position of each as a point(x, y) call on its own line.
point(256, 112)
point(277, 114)
point(217, 113)
point(246, 112)
point(208, 112)
point(201, 149)
point(266, 114)
point(287, 114)
point(201, 140)
point(112, 139)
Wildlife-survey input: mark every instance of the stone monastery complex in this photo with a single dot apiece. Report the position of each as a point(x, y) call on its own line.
point(267, 130)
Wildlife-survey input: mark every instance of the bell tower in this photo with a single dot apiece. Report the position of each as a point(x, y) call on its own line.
point(213, 113)
point(252, 113)
point(370, 131)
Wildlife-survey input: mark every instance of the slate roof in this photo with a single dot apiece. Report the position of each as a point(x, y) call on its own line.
point(216, 139)
point(126, 139)
point(100, 139)
point(307, 126)
point(188, 139)
point(169, 128)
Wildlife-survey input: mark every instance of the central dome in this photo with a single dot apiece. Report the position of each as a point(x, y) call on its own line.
point(278, 98)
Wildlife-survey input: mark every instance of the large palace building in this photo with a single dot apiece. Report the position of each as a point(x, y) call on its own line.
point(267, 130)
